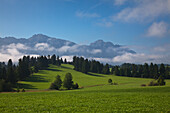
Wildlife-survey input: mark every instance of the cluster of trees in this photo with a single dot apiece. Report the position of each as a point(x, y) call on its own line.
point(143, 71)
point(11, 73)
point(85, 66)
point(67, 83)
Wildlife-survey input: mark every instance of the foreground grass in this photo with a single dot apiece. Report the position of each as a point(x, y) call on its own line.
point(96, 96)
point(151, 100)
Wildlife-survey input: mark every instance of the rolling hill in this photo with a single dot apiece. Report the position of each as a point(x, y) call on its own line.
point(95, 95)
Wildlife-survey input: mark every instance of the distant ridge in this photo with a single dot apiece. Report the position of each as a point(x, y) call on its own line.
point(40, 44)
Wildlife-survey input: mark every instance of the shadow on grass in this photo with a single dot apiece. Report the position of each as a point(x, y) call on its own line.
point(96, 75)
point(66, 67)
point(53, 69)
point(25, 86)
point(36, 78)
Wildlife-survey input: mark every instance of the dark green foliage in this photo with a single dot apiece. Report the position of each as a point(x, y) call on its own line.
point(5, 86)
point(162, 70)
point(112, 70)
point(65, 61)
point(85, 66)
point(18, 89)
point(155, 71)
point(151, 71)
point(53, 60)
point(134, 70)
point(153, 83)
point(106, 69)
point(57, 83)
point(67, 83)
point(75, 86)
point(161, 81)
point(110, 81)
point(58, 62)
point(23, 90)
point(117, 72)
point(145, 71)
point(167, 75)
point(11, 75)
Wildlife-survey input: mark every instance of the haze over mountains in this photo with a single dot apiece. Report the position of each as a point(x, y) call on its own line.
point(40, 44)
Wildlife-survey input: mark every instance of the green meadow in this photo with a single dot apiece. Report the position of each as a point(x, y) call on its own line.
point(95, 94)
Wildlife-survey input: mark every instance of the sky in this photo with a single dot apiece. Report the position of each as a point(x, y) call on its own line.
point(142, 25)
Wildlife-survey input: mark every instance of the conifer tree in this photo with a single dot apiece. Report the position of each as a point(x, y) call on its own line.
point(162, 70)
point(67, 83)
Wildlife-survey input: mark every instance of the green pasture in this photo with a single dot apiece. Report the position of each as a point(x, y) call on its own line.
point(95, 96)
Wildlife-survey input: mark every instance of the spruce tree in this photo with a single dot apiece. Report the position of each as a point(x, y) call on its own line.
point(67, 83)
point(167, 75)
point(162, 70)
point(53, 59)
point(57, 83)
point(151, 70)
point(156, 75)
point(117, 72)
point(146, 71)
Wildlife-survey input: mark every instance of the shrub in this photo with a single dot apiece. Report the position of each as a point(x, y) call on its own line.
point(153, 83)
point(110, 81)
point(115, 83)
point(23, 90)
point(161, 81)
point(18, 89)
point(4, 86)
point(143, 84)
point(75, 86)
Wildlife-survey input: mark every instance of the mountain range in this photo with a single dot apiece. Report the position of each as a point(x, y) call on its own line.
point(40, 44)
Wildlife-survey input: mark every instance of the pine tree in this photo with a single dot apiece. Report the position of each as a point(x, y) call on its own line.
point(106, 69)
point(167, 75)
point(67, 83)
point(117, 72)
point(156, 75)
point(53, 59)
point(146, 71)
point(162, 70)
point(112, 70)
point(151, 70)
point(134, 70)
point(65, 61)
point(57, 83)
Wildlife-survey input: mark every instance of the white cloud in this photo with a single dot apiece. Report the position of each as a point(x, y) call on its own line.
point(139, 58)
point(145, 10)
point(43, 47)
point(88, 15)
point(157, 29)
point(12, 52)
point(69, 58)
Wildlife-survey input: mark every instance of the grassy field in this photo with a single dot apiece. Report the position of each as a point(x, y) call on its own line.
point(96, 96)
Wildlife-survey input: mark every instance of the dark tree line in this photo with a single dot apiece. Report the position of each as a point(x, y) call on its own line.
point(11, 73)
point(143, 71)
point(85, 66)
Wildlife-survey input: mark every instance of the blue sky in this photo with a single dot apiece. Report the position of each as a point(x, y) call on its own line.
point(142, 25)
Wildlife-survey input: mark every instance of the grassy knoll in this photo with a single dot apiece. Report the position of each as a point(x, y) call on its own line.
point(96, 96)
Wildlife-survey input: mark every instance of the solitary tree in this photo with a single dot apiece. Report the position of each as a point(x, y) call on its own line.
point(110, 81)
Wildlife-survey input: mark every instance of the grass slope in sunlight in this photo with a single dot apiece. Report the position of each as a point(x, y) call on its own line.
point(96, 96)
